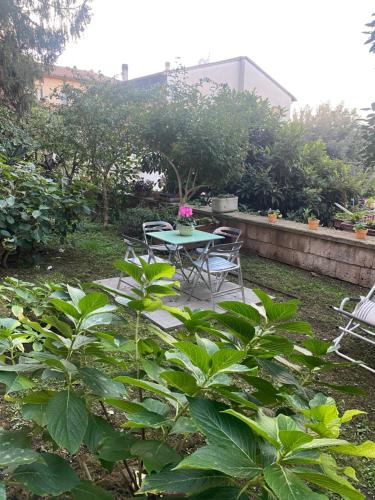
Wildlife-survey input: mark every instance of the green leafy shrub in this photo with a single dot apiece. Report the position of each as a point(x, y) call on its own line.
point(132, 219)
point(34, 209)
point(217, 410)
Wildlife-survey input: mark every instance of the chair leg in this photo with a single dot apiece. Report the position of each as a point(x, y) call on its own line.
point(193, 284)
point(210, 288)
point(240, 282)
point(119, 281)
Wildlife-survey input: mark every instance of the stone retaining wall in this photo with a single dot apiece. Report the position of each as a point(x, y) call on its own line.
point(326, 251)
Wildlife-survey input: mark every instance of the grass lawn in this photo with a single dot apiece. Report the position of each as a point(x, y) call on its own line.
point(90, 253)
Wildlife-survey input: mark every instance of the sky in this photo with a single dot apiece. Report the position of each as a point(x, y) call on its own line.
point(314, 48)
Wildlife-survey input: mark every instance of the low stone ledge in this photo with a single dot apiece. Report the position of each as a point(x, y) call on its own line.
point(326, 251)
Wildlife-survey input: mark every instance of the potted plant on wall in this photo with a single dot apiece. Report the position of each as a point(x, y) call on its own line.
point(360, 231)
point(311, 219)
point(185, 222)
point(223, 203)
point(273, 215)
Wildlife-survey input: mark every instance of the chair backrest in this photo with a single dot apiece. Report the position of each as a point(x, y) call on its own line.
point(232, 234)
point(230, 251)
point(154, 226)
point(135, 248)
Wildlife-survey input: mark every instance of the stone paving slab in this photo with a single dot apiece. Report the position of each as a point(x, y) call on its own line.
point(200, 300)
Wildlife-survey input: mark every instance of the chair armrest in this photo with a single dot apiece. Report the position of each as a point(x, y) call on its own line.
point(348, 299)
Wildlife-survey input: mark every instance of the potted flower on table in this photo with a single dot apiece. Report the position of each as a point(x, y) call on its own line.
point(185, 222)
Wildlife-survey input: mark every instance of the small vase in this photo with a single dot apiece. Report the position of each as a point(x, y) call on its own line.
point(313, 224)
point(185, 230)
point(361, 234)
point(272, 218)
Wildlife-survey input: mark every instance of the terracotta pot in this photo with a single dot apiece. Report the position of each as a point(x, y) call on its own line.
point(185, 230)
point(313, 224)
point(361, 234)
point(272, 218)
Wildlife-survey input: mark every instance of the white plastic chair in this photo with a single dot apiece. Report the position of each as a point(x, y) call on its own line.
point(360, 324)
point(213, 266)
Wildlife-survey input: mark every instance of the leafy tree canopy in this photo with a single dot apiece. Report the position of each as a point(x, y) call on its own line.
point(192, 133)
point(338, 127)
point(33, 33)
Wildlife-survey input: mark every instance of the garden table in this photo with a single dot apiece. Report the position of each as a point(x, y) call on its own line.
point(180, 242)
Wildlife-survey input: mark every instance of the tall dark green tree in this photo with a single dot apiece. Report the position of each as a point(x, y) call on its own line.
point(33, 33)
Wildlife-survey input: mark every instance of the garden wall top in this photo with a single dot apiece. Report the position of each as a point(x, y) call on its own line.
point(324, 233)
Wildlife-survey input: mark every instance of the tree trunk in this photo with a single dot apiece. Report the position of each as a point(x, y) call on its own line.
point(105, 201)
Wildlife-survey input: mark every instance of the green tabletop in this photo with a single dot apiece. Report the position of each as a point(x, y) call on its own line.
point(174, 237)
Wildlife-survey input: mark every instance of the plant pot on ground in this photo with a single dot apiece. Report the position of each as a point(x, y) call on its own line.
point(273, 215)
point(224, 203)
point(361, 231)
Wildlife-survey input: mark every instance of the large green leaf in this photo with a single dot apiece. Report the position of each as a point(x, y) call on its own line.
point(35, 412)
point(287, 486)
point(247, 311)
point(92, 301)
point(366, 449)
point(183, 381)
point(67, 420)
point(14, 382)
point(221, 493)
point(182, 481)
point(264, 426)
point(17, 456)
point(61, 326)
point(238, 326)
point(197, 355)
point(76, 294)
point(66, 308)
point(277, 311)
point(148, 386)
point(100, 384)
point(155, 454)
point(131, 269)
point(222, 429)
point(87, 490)
point(224, 358)
point(330, 484)
point(295, 327)
point(97, 429)
point(156, 271)
point(292, 440)
point(230, 461)
point(53, 477)
point(116, 446)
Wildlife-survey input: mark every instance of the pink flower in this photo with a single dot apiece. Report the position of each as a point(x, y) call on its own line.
point(185, 212)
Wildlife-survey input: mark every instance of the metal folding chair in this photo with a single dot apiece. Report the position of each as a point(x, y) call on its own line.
point(134, 250)
point(156, 226)
point(231, 234)
point(213, 266)
point(360, 324)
